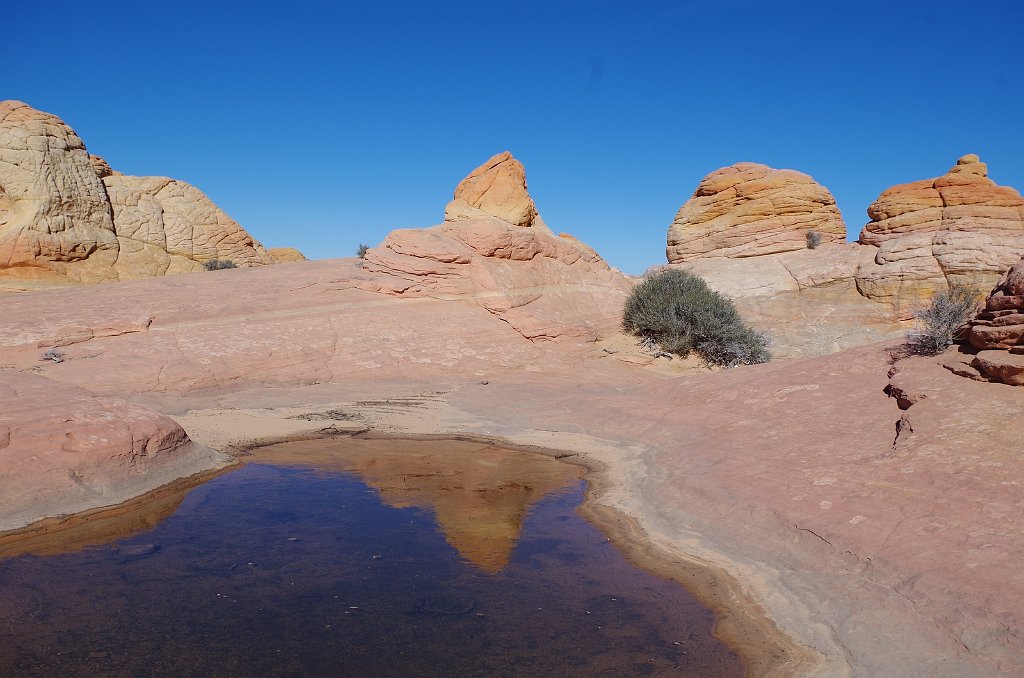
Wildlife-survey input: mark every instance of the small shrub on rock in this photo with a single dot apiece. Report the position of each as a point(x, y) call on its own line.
point(680, 313)
point(362, 250)
point(944, 320)
point(218, 264)
point(813, 239)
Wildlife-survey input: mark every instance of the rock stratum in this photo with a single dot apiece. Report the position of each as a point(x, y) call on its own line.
point(744, 231)
point(997, 332)
point(67, 217)
point(749, 210)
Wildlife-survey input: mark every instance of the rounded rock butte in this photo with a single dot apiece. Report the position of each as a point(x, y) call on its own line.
point(749, 210)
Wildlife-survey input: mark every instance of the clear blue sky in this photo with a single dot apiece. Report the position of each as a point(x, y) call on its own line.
point(323, 125)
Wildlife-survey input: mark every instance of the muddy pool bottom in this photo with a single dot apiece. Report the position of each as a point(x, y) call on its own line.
point(352, 558)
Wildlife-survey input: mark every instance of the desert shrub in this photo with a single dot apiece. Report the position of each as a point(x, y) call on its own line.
point(54, 354)
point(680, 313)
point(362, 250)
point(944, 320)
point(218, 264)
point(813, 239)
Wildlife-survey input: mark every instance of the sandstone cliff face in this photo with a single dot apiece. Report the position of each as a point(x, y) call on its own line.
point(544, 286)
point(749, 210)
point(65, 215)
point(54, 216)
point(958, 228)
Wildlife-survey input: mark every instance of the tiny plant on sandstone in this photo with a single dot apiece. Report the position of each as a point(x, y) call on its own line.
point(680, 313)
point(813, 239)
point(54, 354)
point(362, 250)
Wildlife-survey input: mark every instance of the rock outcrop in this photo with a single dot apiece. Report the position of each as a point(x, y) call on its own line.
point(65, 215)
point(958, 228)
point(165, 226)
point(284, 255)
point(749, 210)
point(55, 220)
point(496, 188)
point(62, 450)
point(998, 331)
point(544, 286)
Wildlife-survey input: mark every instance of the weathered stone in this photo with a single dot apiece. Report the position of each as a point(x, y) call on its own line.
point(958, 228)
point(1001, 366)
point(748, 210)
point(496, 188)
point(283, 255)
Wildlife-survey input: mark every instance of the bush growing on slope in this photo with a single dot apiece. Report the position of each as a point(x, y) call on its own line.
point(218, 264)
point(679, 312)
point(942, 321)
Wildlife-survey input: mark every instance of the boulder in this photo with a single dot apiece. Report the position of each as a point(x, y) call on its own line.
point(958, 228)
point(748, 210)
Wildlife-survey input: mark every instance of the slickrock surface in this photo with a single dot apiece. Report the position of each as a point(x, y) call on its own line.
point(749, 210)
point(66, 216)
point(778, 484)
point(998, 330)
point(960, 227)
point(496, 188)
point(63, 449)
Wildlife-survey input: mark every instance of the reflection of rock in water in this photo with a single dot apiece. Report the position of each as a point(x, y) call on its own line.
point(479, 493)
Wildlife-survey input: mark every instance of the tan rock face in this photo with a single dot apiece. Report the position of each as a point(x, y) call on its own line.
point(166, 226)
point(54, 213)
point(960, 227)
point(65, 215)
point(496, 188)
point(283, 255)
point(748, 210)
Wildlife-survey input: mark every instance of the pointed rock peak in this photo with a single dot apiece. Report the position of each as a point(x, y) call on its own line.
point(969, 164)
point(496, 188)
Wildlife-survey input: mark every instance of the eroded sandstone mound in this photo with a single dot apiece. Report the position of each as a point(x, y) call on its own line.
point(749, 210)
point(65, 215)
point(55, 219)
point(283, 255)
point(998, 330)
point(958, 228)
point(544, 286)
point(496, 188)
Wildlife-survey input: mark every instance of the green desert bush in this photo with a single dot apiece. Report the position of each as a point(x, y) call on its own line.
point(680, 313)
point(943, 321)
point(362, 250)
point(813, 239)
point(218, 264)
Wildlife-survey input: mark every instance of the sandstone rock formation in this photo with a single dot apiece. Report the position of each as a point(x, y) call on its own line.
point(165, 226)
point(65, 215)
point(55, 220)
point(283, 255)
point(496, 188)
point(749, 210)
point(63, 446)
point(545, 286)
point(958, 228)
point(998, 330)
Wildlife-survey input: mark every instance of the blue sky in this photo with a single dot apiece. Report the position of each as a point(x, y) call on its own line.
point(323, 125)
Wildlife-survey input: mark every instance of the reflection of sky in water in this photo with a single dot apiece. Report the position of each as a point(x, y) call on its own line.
point(288, 571)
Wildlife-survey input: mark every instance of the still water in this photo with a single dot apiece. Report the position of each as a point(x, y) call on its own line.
point(352, 558)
